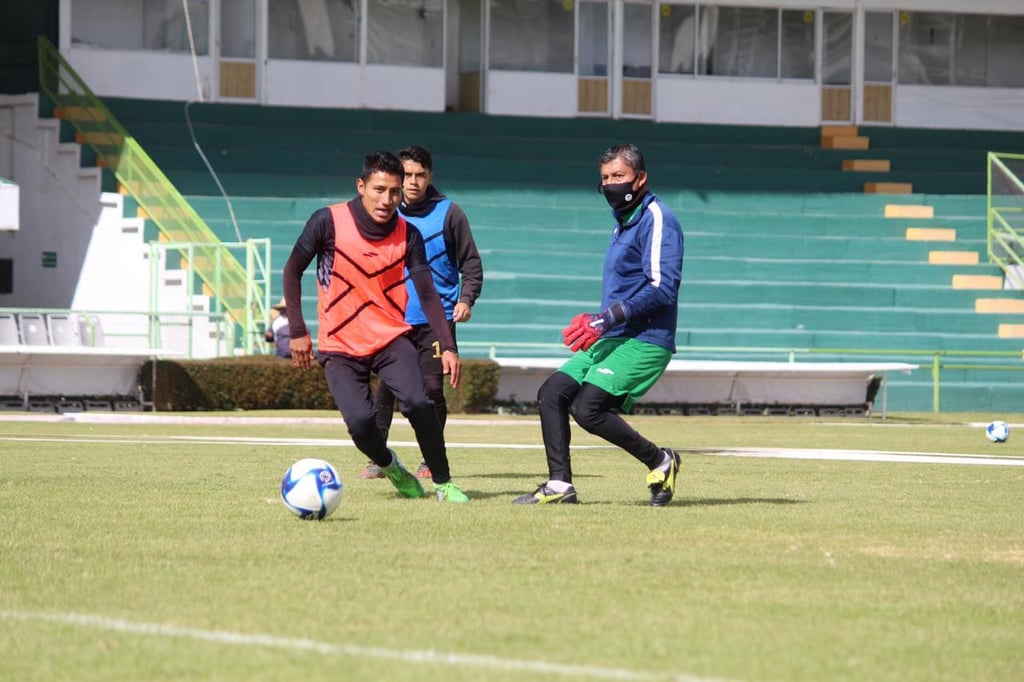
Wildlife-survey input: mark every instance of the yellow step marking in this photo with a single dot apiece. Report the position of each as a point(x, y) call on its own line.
point(931, 234)
point(953, 257)
point(909, 211)
point(1013, 306)
point(977, 282)
point(888, 188)
point(867, 165)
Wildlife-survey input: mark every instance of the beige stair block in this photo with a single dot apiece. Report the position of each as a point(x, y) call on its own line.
point(867, 165)
point(854, 142)
point(953, 257)
point(931, 234)
point(77, 112)
point(978, 282)
point(1011, 331)
point(99, 138)
point(839, 131)
point(909, 211)
point(1012, 306)
point(888, 188)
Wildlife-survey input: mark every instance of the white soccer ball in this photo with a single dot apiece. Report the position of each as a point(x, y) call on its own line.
point(311, 489)
point(998, 431)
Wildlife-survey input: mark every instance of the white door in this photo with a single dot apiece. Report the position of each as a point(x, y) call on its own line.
point(878, 73)
point(837, 67)
point(614, 58)
point(238, 72)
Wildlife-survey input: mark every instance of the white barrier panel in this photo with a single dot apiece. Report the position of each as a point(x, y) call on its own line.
point(721, 382)
point(69, 371)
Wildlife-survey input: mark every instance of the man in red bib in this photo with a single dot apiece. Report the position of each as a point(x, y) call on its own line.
point(363, 249)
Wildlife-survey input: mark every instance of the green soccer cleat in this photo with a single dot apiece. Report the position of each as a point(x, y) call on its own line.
point(663, 483)
point(449, 492)
point(545, 495)
point(405, 483)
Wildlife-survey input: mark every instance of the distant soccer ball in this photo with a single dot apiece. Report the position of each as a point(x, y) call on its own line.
point(311, 489)
point(997, 431)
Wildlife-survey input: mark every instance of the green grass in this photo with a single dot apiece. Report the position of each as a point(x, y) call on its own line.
point(162, 552)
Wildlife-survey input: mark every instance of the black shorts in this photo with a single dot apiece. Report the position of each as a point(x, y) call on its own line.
point(429, 348)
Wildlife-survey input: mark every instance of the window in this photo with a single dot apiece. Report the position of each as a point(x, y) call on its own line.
point(532, 35)
point(237, 29)
point(747, 42)
point(159, 25)
point(408, 32)
point(739, 41)
point(797, 44)
point(677, 43)
point(6, 275)
point(312, 29)
point(937, 48)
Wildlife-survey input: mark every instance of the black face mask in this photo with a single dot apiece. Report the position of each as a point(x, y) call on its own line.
point(620, 195)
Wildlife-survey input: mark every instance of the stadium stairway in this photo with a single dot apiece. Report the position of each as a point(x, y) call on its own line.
point(784, 250)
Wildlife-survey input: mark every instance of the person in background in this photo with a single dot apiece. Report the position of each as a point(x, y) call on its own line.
point(622, 351)
point(363, 250)
point(458, 275)
point(279, 333)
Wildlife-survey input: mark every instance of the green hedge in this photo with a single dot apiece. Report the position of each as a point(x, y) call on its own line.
point(268, 383)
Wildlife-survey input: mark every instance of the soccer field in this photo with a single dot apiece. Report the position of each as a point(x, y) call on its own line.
point(796, 549)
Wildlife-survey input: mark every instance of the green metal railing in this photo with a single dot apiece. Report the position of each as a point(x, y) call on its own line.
point(257, 268)
point(1005, 212)
point(234, 294)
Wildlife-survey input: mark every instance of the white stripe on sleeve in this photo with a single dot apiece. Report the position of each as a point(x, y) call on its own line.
point(656, 243)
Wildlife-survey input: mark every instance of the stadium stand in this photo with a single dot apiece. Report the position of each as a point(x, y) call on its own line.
point(785, 250)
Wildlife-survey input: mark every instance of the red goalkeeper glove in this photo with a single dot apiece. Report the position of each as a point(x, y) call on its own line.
point(584, 330)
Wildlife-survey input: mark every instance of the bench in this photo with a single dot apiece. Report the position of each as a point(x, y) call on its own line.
point(58, 371)
point(731, 385)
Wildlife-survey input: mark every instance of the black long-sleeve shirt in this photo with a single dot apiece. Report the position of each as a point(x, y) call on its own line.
point(459, 243)
point(317, 241)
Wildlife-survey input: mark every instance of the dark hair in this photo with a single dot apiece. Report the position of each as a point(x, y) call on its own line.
point(417, 154)
point(381, 161)
point(629, 153)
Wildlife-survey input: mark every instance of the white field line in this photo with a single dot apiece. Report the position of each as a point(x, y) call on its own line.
point(766, 453)
point(871, 456)
point(428, 656)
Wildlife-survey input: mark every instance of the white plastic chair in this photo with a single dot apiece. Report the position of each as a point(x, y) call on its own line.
point(9, 330)
point(33, 329)
point(63, 330)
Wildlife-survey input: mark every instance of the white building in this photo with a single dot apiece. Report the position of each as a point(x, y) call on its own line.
point(906, 63)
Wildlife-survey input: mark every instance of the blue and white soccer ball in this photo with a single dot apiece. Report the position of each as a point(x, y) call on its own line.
point(998, 431)
point(311, 489)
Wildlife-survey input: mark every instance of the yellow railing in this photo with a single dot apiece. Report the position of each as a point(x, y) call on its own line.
point(234, 293)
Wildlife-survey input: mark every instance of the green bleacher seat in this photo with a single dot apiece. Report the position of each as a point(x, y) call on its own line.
point(783, 249)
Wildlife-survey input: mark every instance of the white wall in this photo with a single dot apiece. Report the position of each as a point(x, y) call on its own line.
point(915, 106)
point(403, 87)
point(519, 93)
point(684, 99)
point(141, 75)
point(677, 99)
point(59, 207)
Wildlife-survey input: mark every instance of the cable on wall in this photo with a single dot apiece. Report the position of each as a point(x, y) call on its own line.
point(188, 120)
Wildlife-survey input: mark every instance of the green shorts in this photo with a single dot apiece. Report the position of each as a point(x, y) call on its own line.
point(620, 366)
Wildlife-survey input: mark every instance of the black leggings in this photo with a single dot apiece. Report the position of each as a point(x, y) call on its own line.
point(425, 340)
point(591, 407)
point(398, 368)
